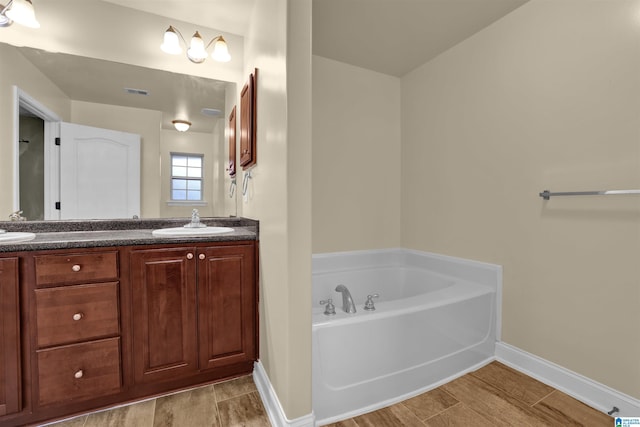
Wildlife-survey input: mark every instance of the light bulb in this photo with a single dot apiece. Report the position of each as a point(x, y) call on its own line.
point(22, 12)
point(196, 52)
point(181, 125)
point(171, 43)
point(221, 51)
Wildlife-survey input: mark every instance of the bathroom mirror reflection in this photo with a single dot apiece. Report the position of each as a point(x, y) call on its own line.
point(116, 97)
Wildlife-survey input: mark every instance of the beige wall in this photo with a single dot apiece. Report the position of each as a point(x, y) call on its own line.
point(16, 70)
point(279, 194)
point(546, 98)
point(356, 158)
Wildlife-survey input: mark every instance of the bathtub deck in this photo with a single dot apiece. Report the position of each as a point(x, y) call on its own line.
point(494, 395)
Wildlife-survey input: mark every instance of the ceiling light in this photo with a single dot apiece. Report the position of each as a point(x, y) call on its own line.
point(196, 50)
point(181, 125)
point(20, 11)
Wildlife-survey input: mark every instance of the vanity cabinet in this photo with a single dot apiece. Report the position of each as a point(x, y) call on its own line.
point(10, 379)
point(77, 326)
point(89, 328)
point(195, 310)
point(163, 284)
point(227, 301)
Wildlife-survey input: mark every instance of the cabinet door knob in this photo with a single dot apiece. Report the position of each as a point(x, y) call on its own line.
point(189, 255)
point(78, 316)
point(79, 374)
point(201, 256)
point(76, 267)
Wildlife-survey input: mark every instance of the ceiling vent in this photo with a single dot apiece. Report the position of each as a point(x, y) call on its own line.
point(133, 91)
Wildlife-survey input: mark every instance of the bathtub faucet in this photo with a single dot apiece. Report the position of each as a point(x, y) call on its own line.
point(347, 302)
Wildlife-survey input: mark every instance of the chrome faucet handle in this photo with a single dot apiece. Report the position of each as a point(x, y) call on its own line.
point(329, 309)
point(368, 305)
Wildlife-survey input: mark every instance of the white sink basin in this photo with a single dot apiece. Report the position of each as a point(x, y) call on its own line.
point(190, 232)
point(16, 237)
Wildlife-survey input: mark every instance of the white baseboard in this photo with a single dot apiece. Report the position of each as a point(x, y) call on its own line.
point(272, 404)
point(594, 394)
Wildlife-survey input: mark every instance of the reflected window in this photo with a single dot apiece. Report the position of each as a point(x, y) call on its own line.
point(186, 177)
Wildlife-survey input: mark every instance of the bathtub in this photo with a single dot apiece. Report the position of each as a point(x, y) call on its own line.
point(436, 318)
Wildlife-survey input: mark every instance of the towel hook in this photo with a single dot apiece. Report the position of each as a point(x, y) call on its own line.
point(245, 183)
point(232, 188)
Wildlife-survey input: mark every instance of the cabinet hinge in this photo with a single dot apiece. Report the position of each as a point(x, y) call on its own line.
point(57, 141)
point(58, 205)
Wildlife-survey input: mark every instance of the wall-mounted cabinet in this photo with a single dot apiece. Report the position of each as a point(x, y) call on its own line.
point(248, 122)
point(231, 168)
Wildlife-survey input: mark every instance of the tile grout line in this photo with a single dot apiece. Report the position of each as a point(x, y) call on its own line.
point(443, 411)
point(153, 417)
point(215, 400)
point(544, 397)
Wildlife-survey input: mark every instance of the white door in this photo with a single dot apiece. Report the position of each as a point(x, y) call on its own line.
point(99, 173)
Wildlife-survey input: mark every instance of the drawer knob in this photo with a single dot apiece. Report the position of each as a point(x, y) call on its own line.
point(78, 316)
point(76, 267)
point(201, 256)
point(79, 374)
point(189, 255)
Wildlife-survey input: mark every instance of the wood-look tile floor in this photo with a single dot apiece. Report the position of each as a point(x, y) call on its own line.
point(232, 403)
point(494, 395)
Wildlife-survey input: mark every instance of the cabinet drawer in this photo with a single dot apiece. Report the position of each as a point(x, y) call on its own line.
point(76, 313)
point(79, 371)
point(76, 268)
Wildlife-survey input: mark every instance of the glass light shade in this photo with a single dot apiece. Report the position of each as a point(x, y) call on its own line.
point(196, 52)
point(22, 12)
point(181, 125)
point(221, 51)
point(171, 43)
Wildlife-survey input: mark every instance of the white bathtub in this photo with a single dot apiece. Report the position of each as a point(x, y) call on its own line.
point(435, 319)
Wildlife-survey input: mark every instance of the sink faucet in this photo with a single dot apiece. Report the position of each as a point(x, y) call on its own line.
point(195, 220)
point(17, 216)
point(347, 302)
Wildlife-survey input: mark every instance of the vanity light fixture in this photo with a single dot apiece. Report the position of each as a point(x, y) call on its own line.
point(181, 125)
point(20, 11)
point(197, 51)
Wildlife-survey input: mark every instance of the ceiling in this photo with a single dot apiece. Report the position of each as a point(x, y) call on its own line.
point(230, 16)
point(396, 36)
point(177, 96)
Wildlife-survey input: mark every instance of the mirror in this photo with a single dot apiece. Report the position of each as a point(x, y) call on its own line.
point(124, 98)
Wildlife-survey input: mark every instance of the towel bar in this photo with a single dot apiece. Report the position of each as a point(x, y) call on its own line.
point(546, 194)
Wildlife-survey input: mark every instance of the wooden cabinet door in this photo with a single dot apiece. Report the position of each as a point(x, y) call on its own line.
point(10, 390)
point(232, 144)
point(226, 305)
point(163, 285)
point(248, 122)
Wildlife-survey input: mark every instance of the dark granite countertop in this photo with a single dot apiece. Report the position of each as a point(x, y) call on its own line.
point(102, 233)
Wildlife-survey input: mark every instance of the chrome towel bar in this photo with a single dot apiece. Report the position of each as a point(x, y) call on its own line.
point(546, 194)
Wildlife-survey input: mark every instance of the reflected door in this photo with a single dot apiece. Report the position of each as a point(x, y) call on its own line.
point(99, 173)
